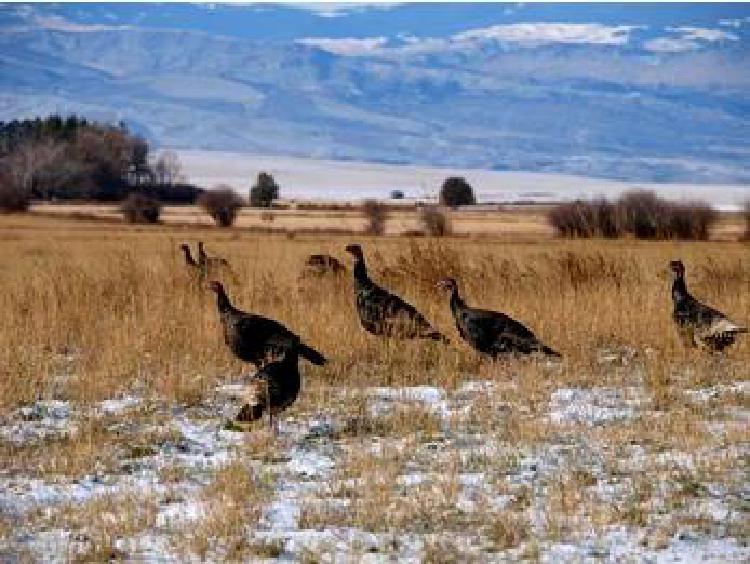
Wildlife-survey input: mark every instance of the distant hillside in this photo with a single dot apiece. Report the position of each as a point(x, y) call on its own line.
point(635, 93)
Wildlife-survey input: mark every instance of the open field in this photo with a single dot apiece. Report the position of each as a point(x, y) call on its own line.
point(115, 387)
point(527, 222)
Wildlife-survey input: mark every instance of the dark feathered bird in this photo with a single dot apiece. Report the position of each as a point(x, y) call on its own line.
point(257, 339)
point(321, 265)
point(189, 260)
point(699, 324)
point(195, 270)
point(271, 390)
point(491, 332)
point(383, 313)
point(209, 262)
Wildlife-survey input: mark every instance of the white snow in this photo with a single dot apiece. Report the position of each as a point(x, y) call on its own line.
point(117, 406)
point(713, 392)
point(490, 474)
point(311, 179)
point(429, 397)
point(594, 406)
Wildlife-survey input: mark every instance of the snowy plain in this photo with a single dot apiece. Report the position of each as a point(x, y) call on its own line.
point(308, 475)
point(314, 179)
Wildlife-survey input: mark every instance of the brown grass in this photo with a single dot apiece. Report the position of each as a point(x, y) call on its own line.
point(91, 310)
point(94, 316)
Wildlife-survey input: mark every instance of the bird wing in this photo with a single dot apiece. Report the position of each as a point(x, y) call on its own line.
point(722, 326)
point(700, 314)
point(403, 313)
point(264, 330)
point(498, 332)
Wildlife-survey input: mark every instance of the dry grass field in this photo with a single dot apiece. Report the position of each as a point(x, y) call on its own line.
point(114, 382)
point(523, 222)
point(520, 222)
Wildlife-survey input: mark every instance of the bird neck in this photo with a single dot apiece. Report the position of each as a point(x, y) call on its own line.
point(360, 271)
point(679, 290)
point(456, 301)
point(188, 257)
point(290, 358)
point(222, 302)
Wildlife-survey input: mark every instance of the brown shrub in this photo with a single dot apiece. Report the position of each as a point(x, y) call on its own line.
point(691, 221)
point(574, 219)
point(644, 214)
point(435, 221)
point(639, 213)
point(376, 215)
point(746, 214)
point(222, 204)
point(14, 198)
point(138, 208)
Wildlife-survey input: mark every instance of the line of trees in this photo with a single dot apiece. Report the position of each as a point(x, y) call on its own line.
point(76, 159)
point(73, 158)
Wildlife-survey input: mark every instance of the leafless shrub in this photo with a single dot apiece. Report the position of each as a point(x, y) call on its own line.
point(222, 204)
point(643, 214)
point(138, 208)
point(607, 219)
point(376, 215)
point(573, 219)
point(639, 213)
point(647, 216)
point(434, 221)
point(691, 221)
point(13, 197)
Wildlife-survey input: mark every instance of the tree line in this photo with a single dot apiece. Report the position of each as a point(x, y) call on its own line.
point(72, 158)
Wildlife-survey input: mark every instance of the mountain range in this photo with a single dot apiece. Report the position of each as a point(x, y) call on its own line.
point(640, 92)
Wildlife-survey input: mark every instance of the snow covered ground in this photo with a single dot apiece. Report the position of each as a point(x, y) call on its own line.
point(416, 472)
point(311, 179)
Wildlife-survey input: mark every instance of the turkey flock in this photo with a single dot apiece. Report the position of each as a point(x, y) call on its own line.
point(275, 350)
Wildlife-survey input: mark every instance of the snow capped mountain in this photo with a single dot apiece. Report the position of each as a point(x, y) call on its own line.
point(638, 92)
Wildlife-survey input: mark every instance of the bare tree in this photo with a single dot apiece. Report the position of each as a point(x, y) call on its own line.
point(167, 169)
point(36, 166)
point(376, 215)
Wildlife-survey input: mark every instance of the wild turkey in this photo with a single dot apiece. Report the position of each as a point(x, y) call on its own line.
point(207, 262)
point(383, 313)
point(698, 324)
point(271, 390)
point(321, 265)
point(491, 332)
point(257, 339)
point(192, 265)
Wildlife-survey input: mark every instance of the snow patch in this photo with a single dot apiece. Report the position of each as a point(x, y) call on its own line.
point(595, 406)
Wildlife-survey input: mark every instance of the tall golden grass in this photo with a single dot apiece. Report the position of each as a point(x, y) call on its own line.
point(91, 310)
